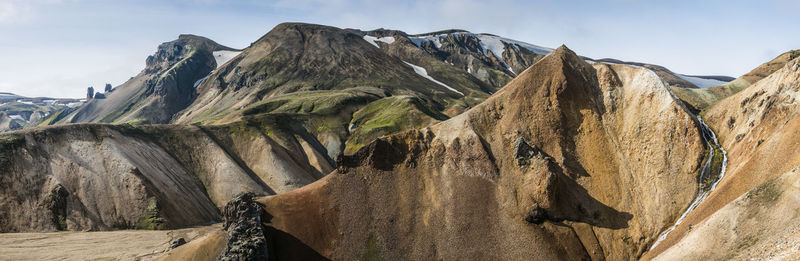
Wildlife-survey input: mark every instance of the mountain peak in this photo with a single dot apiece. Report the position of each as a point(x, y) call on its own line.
point(553, 73)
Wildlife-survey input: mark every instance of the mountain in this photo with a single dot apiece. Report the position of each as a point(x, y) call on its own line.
point(163, 88)
point(543, 169)
point(318, 143)
point(751, 213)
point(104, 177)
point(338, 81)
point(701, 99)
point(17, 112)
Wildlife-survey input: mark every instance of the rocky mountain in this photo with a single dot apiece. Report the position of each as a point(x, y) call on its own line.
point(502, 180)
point(163, 88)
point(349, 86)
point(320, 143)
point(752, 207)
point(17, 112)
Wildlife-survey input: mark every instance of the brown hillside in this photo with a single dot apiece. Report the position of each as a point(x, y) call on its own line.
point(758, 126)
point(553, 166)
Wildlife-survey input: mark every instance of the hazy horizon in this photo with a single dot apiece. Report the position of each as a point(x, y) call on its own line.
point(57, 48)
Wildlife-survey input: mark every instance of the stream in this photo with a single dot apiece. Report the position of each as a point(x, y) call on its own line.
point(712, 143)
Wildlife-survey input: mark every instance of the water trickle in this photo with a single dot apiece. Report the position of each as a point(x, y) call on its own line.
point(713, 145)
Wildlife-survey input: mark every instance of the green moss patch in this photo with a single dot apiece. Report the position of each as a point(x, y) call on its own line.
point(152, 220)
point(372, 250)
point(386, 116)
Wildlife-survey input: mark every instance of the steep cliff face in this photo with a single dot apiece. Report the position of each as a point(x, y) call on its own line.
point(758, 126)
point(104, 177)
point(163, 88)
point(565, 162)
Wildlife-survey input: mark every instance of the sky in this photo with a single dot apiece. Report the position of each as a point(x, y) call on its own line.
point(57, 48)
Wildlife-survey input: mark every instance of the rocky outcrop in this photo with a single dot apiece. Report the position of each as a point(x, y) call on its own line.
point(246, 237)
point(162, 89)
point(457, 190)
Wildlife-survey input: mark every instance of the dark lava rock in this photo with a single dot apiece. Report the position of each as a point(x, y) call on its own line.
point(56, 203)
point(246, 237)
point(177, 242)
point(539, 215)
point(524, 152)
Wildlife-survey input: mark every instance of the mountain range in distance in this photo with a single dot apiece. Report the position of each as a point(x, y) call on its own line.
point(317, 142)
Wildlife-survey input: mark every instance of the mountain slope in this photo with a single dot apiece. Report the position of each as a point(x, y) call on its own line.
point(758, 126)
point(542, 169)
point(491, 59)
point(325, 75)
point(105, 177)
point(303, 57)
point(671, 78)
point(704, 98)
point(163, 88)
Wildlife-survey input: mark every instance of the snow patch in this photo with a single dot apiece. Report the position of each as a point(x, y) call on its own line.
point(223, 57)
point(373, 40)
point(428, 38)
point(701, 82)
point(17, 117)
point(199, 81)
point(424, 73)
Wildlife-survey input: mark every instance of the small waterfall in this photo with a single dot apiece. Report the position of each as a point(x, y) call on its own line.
point(712, 143)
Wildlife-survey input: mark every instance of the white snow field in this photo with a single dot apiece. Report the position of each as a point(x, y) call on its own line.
point(424, 73)
point(373, 40)
point(223, 57)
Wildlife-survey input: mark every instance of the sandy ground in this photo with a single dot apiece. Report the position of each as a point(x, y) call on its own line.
point(107, 245)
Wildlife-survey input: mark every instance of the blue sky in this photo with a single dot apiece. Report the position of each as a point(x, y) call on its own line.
point(60, 47)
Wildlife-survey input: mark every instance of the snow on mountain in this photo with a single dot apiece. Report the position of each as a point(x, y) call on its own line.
point(223, 57)
point(372, 40)
point(17, 117)
point(428, 38)
point(199, 81)
point(701, 82)
point(424, 73)
point(489, 43)
point(533, 48)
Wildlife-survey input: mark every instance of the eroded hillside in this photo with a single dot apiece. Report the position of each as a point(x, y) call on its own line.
point(104, 177)
point(750, 207)
point(552, 166)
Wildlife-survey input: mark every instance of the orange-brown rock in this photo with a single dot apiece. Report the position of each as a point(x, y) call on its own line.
point(758, 126)
point(568, 161)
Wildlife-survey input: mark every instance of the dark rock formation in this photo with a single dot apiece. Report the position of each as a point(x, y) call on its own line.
point(524, 152)
point(56, 203)
point(108, 88)
point(99, 95)
point(246, 237)
point(89, 93)
point(177, 242)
